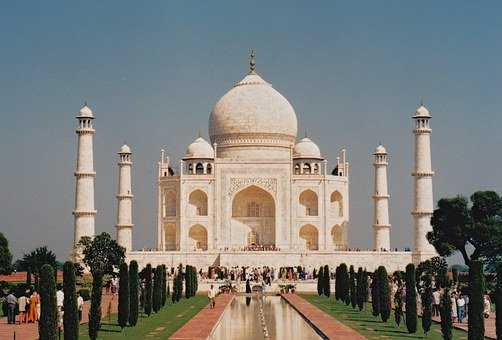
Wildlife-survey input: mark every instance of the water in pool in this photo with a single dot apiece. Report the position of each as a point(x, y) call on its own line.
point(243, 320)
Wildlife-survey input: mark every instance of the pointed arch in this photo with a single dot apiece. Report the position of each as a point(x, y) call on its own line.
point(170, 203)
point(336, 200)
point(308, 203)
point(197, 201)
point(198, 237)
point(170, 236)
point(337, 237)
point(309, 236)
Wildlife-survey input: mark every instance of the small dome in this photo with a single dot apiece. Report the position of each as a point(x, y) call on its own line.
point(125, 149)
point(85, 111)
point(200, 148)
point(306, 148)
point(380, 150)
point(422, 112)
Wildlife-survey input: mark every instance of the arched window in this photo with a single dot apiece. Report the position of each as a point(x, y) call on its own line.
point(198, 203)
point(337, 237)
point(309, 237)
point(307, 169)
point(199, 169)
point(253, 209)
point(190, 168)
point(316, 168)
point(170, 236)
point(170, 203)
point(308, 203)
point(297, 169)
point(198, 237)
point(209, 169)
point(336, 204)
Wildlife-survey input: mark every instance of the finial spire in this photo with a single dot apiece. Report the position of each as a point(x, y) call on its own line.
point(199, 135)
point(306, 133)
point(421, 101)
point(252, 61)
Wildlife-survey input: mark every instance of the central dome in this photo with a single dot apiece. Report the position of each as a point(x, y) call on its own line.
point(251, 116)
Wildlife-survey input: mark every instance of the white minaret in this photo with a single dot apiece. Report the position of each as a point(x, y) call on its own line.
point(381, 226)
point(124, 199)
point(84, 175)
point(423, 203)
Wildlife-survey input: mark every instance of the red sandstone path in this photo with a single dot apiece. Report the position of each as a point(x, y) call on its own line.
point(202, 325)
point(30, 331)
point(323, 322)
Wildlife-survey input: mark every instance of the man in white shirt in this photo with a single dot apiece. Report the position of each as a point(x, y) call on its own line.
point(59, 305)
point(211, 295)
point(80, 306)
point(436, 301)
point(461, 308)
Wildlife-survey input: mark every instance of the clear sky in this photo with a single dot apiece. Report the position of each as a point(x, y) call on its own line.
point(354, 71)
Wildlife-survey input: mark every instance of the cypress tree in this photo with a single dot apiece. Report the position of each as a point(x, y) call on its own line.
point(95, 311)
point(47, 326)
point(360, 289)
point(411, 299)
point(375, 298)
point(476, 302)
point(384, 293)
point(164, 286)
point(337, 283)
point(327, 281)
point(157, 289)
point(353, 292)
point(320, 279)
point(196, 280)
point(398, 305)
point(427, 304)
point(498, 302)
point(148, 289)
point(365, 287)
point(445, 312)
point(70, 316)
point(133, 293)
point(344, 284)
point(124, 295)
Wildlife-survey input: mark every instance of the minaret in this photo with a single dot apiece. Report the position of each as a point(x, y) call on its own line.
point(381, 226)
point(124, 199)
point(423, 200)
point(84, 174)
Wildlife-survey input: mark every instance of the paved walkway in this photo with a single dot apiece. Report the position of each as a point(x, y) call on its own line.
point(489, 325)
point(29, 331)
point(323, 322)
point(202, 325)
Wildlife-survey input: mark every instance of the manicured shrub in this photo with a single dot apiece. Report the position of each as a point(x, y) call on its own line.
point(157, 289)
point(476, 302)
point(384, 293)
point(344, 284)
point(133, 293)
point(337, 283)
point(427, 304)
point(164, 286)
point(375, 298)
point(398, 306)
point(360, 288)
point(365, 286)
point(47, 326)
point(352, 287)
point(411, 299)
point(95, 311)
point(124, 295)
point(320, 279)
point(148, 289)
point(326, 281)
point(70, 316)
point(445, 312)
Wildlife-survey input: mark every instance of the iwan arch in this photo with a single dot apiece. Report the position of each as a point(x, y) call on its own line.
point(255, 194)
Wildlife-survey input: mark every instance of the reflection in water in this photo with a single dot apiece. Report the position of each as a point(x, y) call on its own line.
point(241, 321)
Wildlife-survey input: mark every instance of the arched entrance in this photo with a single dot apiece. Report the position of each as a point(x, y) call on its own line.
point(337, 237)
point(198, 237)
point(309, 237)
point(253, 218)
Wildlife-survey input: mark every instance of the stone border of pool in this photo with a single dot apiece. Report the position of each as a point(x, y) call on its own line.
point(324, 324)
point(202, 325)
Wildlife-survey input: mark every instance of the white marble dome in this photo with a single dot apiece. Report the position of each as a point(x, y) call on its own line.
point(252, 114)
point(85, 111)
point(422, 112)
point(380, 150)
point(306, 148)
point(125, 149)
point(199, 148)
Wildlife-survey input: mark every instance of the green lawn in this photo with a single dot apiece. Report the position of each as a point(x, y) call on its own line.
point(158, 326)
point(373, 327)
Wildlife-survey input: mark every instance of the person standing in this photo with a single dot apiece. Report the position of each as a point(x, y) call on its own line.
point(461, 308)
point(453, 300)
point(22, 302)
point(436, 300)
point(59, 305)
point(210, 295)
point(487, 306)
point(11, 301)
point(80, 306)
point(34, 307)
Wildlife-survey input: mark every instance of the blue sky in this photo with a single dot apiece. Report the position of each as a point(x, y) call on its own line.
point(354, 71)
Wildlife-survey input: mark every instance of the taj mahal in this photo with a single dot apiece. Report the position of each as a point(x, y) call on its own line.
point(255, 193)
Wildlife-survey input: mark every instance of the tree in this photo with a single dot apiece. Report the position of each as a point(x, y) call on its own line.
point(375, 297)
point(498, 302)
point(33, 262)
point(157, 289)
point(102, 255)
point(188, 282)
point(427, 304)
point(398, 305)
point(383, 293)
point(70, 316)
point(5, 256)
point(133, 293)
point(411, 299)
point(320, 279)
point(352, 288)
point(337, 283)
point(476, 322)
point(445, 312)
point(124, 295)
point(344, 284)
point(48, 323)
point(365, 286)
point(148, 289)
point(456, 227)
point(164, 285)
point(326, 281)
point(360, 288)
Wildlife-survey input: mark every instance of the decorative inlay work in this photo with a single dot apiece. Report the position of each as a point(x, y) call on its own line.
point(253, 138)
point(423, 174)
point(270, 184)
point(85, 174)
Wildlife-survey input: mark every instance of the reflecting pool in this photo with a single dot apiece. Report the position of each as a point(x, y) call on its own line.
point(256, 317)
